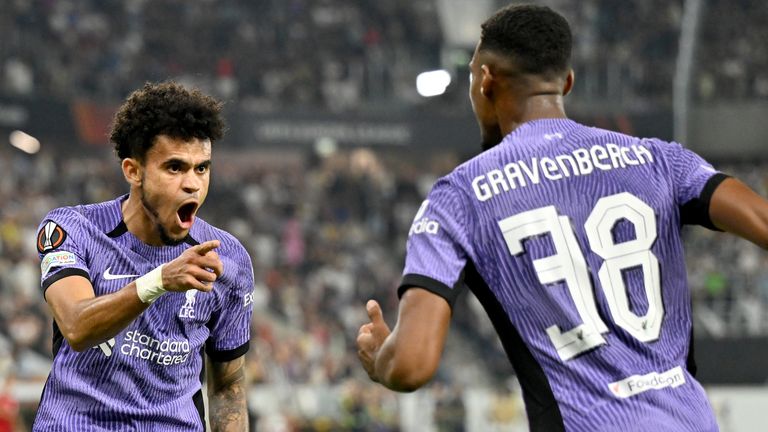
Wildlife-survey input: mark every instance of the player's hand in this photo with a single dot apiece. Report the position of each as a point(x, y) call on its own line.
point(196, 268)
point(370, 338)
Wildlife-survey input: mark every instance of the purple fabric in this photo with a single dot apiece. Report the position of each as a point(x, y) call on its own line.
point(147, 377)
point(569, 167)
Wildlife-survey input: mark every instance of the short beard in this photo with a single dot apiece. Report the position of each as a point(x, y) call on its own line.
point(164, 237)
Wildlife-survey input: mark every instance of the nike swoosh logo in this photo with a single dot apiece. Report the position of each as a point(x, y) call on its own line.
point(109, 276)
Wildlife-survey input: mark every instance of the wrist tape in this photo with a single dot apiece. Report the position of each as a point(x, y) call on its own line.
point(150, 286)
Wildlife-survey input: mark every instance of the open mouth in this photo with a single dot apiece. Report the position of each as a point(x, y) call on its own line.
point(186, 214)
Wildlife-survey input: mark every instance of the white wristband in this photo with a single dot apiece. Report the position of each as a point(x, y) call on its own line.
point(150, 286)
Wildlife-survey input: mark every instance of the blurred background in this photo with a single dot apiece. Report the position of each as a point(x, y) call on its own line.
point(341, 114)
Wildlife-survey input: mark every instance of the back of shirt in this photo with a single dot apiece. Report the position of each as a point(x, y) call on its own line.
point(570, 237)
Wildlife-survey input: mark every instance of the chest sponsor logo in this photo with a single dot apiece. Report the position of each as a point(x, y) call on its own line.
point(422, 224)
point(56, 259)
point(165, 352)
point(107, 275)
point(188, 308)
point(637, 384)
point(50, 237)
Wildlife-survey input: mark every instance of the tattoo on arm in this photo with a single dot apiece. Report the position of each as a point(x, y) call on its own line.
point(226, 394)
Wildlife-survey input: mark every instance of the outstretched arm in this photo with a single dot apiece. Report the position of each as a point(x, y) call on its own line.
point(228, 409)
point(85, 320)
point(408, 357)
point(736, 208)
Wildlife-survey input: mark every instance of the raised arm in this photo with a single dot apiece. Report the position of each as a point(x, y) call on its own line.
point(86, 320)
point(737, 209)
point(228, 408)
point(408, 357)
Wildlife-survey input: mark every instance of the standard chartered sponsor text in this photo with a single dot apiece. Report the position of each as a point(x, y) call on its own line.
point(163, 352)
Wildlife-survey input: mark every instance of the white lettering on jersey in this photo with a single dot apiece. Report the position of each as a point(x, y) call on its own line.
point(248, 299)
point(165, 352)
point(422, 224)
point(580, 161)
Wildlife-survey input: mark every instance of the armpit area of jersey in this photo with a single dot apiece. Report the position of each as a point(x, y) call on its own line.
point(434, 286)
point(696, 211)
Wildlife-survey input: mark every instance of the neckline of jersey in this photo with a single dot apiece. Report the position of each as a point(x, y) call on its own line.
point(562, 124)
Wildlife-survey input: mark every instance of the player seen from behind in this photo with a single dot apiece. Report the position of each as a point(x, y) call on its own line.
point(570, 237)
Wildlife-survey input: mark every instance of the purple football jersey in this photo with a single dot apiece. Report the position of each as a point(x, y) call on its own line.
point(149, 376)
point(570, 238)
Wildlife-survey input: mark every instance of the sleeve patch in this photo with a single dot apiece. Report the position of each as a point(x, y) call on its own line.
point(56, 259)
point(248, 299)
point(50, 237)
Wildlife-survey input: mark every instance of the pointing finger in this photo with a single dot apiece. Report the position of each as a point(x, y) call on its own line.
point(204, 248)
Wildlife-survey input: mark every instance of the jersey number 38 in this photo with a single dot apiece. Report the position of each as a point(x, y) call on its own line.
point(569, 265)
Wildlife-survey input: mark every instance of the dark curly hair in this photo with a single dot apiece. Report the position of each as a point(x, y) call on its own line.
point(537, 39)
point(165, 108)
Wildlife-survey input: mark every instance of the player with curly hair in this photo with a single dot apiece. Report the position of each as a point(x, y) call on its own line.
point(140, 288)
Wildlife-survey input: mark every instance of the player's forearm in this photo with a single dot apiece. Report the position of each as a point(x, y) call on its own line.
point(228, 408)
point(94, 320)
point(401, 368)
point(736, 208)
point(229, 411)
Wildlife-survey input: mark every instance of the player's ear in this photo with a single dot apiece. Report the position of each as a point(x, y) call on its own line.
point(131, 171)
point(486, 81)
point(568, 82)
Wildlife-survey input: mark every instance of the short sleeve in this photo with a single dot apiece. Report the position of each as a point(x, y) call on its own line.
point(690, 172)
point(61, 247)
point(231, 325)
point(436, 252)
point(695, 180)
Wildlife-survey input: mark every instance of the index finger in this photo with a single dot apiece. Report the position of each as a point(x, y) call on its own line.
point(204, 248)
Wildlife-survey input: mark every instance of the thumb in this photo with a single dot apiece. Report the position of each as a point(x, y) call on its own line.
point(374, 312)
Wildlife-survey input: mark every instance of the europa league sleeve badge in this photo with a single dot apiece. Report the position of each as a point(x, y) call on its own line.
point(50, 237)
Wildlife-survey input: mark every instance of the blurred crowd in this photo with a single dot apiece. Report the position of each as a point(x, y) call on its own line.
point(325, 234)
point(272, 53)
point(624, 52)
point(733, 61)
point(342, 55)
